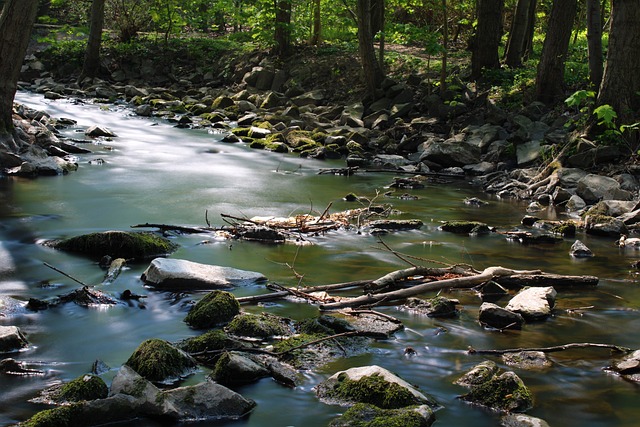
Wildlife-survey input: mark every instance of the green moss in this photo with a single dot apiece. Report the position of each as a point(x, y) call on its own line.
point(295, 341)
point(215, 308)
point(212, 340)
point(364, 415)
point(118, 244)
point(62, 416)
point(157, 360)
point(301, 138)
point(214, 117)
point(86, 387)
point(506, 392)
point(565, 229)
point(462, 226)
point(241, 131)
point(258, 326)
point(375, 390)
point(597, 210)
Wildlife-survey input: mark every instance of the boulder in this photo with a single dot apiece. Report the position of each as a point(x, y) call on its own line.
point(593, 188)
point(85, 387)
point(628, 366)
point(373, 385)
point(234, 368)
point(580, 250)
point(451, 152)
point(117, 244)
point(216, 308)
point(261, 326)
point(96, 131)
point(522, 420)
point(362, 414)
point(168, 273)
point(575, 203)
point(494, 316)
point(433, 307)
point(604, 225)
point(528, 152)
point(533, 303)
point(505, 393)
point(157, 360)
point(11, 339)
point(479, 374)
point(527, 359)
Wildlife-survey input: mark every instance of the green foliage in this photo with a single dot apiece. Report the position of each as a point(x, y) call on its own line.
point(606, 116)
point(581, 99)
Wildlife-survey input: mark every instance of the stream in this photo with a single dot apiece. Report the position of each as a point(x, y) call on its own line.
point(157, 173)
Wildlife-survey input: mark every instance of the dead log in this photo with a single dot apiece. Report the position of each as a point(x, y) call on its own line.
point(552, 349)
point(114, 270)
point(488, 274)
point(555, 280)
point(178, 228)
point(390, 279)
point(283, 294)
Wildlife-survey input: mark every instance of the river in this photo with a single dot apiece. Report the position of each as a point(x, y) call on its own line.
point(154, 172)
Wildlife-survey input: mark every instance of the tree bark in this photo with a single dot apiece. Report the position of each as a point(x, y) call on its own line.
point(91, 65)
point(550, 75)
point(16, 22)
point(518, 34)
point(531, 29)
point(316, 37)
point(621, 79)
point(371, 68)
point(594, 42)
point(283, 27)
point(484, 53)
point(445, 48)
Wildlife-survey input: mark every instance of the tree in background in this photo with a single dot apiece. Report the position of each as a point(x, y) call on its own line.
point(372, 70)
point(16, 22)
point(518, 34)
point(91, 65)
point(594, 42)
point(550, 74)
point(316, 28)
point(486, 40)
point(282, 35)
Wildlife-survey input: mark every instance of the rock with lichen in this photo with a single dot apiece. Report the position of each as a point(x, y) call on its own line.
point(262, 326)
point(117, 244)
point(159, 361)
point(214, 309)
point(363, 415)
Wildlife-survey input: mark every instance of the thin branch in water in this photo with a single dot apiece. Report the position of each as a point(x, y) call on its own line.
point(65, 274)
point(552, 349)
point(397, 254)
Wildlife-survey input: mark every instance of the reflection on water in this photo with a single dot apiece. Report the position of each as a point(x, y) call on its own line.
point(155, 173)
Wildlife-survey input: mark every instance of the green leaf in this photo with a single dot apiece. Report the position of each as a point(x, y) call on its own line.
point(606, 115)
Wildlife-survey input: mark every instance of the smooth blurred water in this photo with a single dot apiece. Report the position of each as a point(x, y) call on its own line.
point(154, 172)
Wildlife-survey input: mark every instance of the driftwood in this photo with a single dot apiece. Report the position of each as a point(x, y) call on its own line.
point(282, 294)
point(552, 349)
point(178, 228)
point(114, 270)
point(458, 282)
point(555, 280)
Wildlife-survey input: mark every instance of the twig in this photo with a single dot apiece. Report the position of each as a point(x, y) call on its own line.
point(397, 254)
point(65, 274)
point(552, 349)
point(282, 294)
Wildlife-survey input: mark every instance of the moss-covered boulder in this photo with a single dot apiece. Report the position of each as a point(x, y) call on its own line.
point(209, 341)
point(86, 387)
point(433, 307)
point(465, 227)
point(364, 415)
point(117, 244)
point(236, 368)
point(215, 308)
point(157, 360)
point(373, 385)
point(62, 416)
point(262, 326)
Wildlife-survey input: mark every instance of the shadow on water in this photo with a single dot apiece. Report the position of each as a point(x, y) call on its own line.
point(153, 172)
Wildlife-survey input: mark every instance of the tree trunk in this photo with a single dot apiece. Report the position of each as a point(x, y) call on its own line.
point(316, 37)
point(16, 22)
point(531, 29)
point(621, 79)
point(91, 65)
point(550, 76)
point(518, 34)
point(377, 27)
point(484, 53)
point(283, 27)
point(445, 48)
point(594, 42)
point(371, 68)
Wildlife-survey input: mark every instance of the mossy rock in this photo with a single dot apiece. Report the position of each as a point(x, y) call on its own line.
point(599, 209)
point(242, 132)
point(234, 368)
point(157, 360)
point(364, 415)
point(565, 229)
point(215, 308)
point(223, 102)
point(259, 326)
point(214, 117)
point(62, 416)
point(464, 227)
point(375, 390)
point(301, 140)
point(505, 392)
point(211, 340)
point(324, 325)
point(118, 244)
point(86, 387)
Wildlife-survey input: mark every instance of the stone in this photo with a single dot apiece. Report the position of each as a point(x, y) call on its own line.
point(479, 374)
point(12, 339)
point(527, 360)
point(575, 203)
point(182, 274)
point(569, 177)
point(522, 420)
point(450, 152)
point(158, 360)
point(628, 366)
point(604, 225)
point(96, 131)
point(362, 414)
point(505, 393)
point(494, 316)
point(593, 188)
point(371, 384)
point(214, 309)
point(433, 307)
point(580, 250)
point(315, 97)
point(528, 152)
point(234, 368)
point(533, 303)
point(117, 244)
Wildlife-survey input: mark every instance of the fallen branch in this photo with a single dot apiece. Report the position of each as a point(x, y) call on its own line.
point(282, 294)
point(65, 274)
point(179, 228)
point(552, 349)
point(489, 273)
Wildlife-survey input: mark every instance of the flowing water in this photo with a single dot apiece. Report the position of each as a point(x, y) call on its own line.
point(156, 173)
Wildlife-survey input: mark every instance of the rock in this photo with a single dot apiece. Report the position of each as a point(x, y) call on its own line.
point(479, 374)
point(619, 207)
point(533, 303)
point(433, 307)
point(214, 309)
point(593, 188)
point(493, 316)
point(465, 227)
point(527, 359)
point(159, 361)
point(95, 131)
point(234, 368)
point(505, 392)
point(85, 387)
point(376, 325)
point(396, 224)
point(315, 97)
point(362, 414)
point(604, 225)
point(522, 420)
point(13, 367)
point(629, 366)
point(580, 250)
point(261, 326)
point(575, 203)
point(569, 177)
point(168, 273)
point(450, 152)
point(595, 156)
point(11, 339)
point(528, 152)
point(144, 110)
point(117, 244)
point(373, 385)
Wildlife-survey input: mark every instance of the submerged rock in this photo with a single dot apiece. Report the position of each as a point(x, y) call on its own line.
point(157, 360)
point(373, 385)
point(117, 244)
point(362, 414)
point(468, 227)
point(234, 368)
point(527, 359)
point(168, 273)
point(580, 250)
point(629, 367)
point(522, 420)
point(494, 316)
point(505, 392)
point(433, 307)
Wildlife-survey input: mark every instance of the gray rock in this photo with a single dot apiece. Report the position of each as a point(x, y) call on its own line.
point(631, 217)
point(593, 188)
point(505, 392)
point(236, 368)
point(315, 97)
point(620, 207)
point(11, 339)
point(575, 203)
point(603, 225)
point(450, 152)
point(561, 195)
point(533, 303)
point(580, 250)
point(480, 169)
point(628, 182)
point(493, 316)
point(96, 131)
point(522, 420)
point(527, 360)
point(569, 177)
point(144, 110)
point(629, 366)
point(595, 156)
point(183, 274)
point(528, 152)
point(479, 374)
